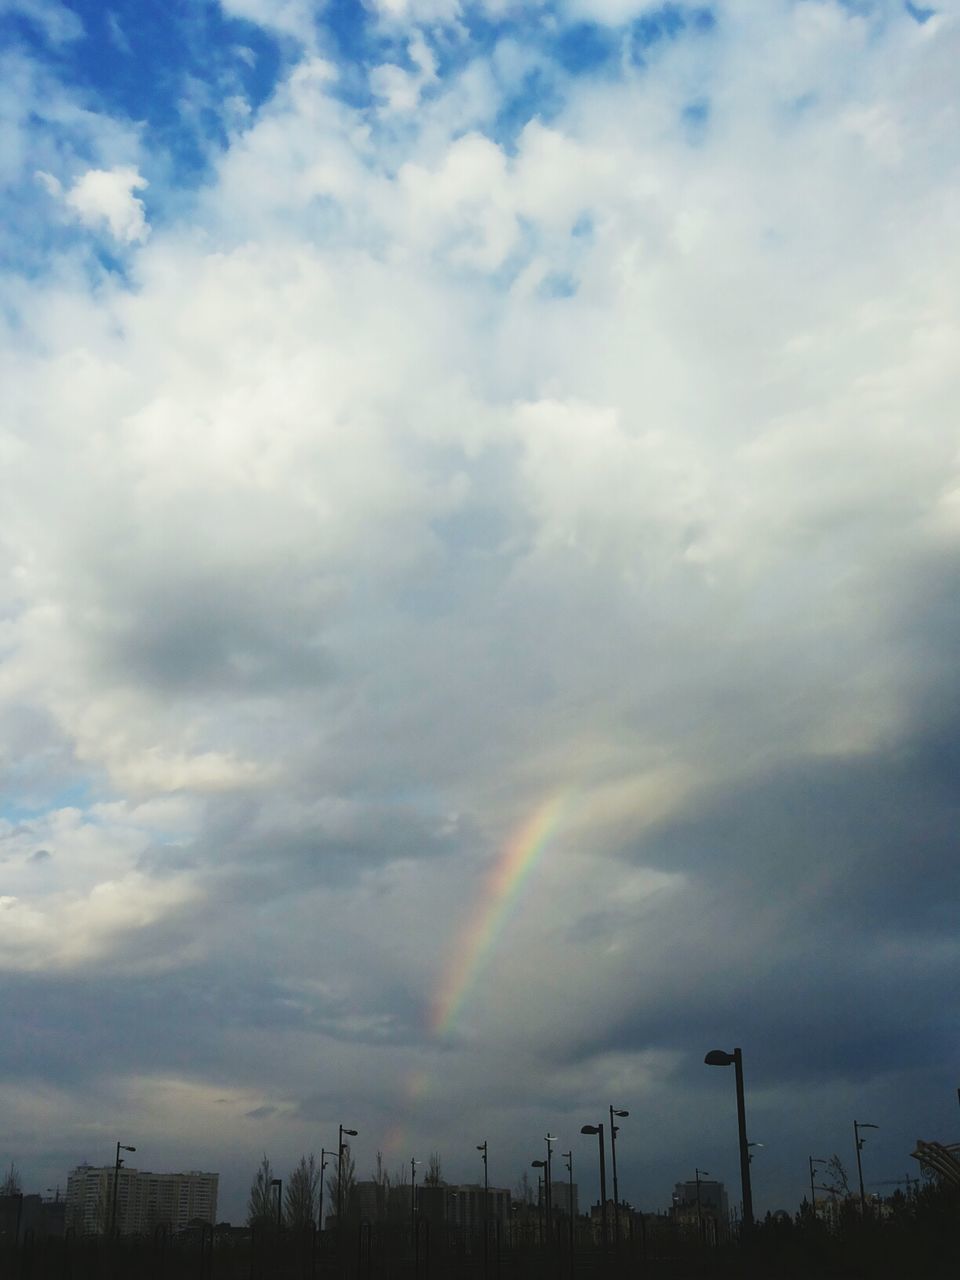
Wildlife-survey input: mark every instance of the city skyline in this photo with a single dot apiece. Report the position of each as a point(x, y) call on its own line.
point(480, 490)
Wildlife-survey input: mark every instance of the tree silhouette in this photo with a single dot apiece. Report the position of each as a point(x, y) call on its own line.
point(11, 1184)
point(302, 1194)
point(433, 1177)
point(835, 1177)
point(262, 1205)
point(523, 1192)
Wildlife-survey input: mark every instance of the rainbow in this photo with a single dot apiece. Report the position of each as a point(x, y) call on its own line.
point(501, 893)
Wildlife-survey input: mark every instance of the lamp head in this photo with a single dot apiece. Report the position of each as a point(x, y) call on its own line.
point(590, 1128)
point(622, 1114)
point(719, 1058)
point(538, 1164)
point(352, 1133)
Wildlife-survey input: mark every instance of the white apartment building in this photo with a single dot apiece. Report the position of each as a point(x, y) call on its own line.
point(144, 1200)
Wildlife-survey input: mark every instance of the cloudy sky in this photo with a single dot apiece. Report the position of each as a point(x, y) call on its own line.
point(479, 580)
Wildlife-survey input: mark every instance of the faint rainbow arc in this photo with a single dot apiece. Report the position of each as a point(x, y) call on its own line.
point(502, 891)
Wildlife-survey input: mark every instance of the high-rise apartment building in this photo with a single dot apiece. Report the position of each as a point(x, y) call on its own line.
point(564, 1197)
point(144, 1200)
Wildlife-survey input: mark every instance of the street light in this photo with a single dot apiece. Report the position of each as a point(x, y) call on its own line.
point(278, 1183)
point(323, 1164)
point(812, 1160)
point(614, 1129)
point(749, 1153)
point(413, 1196)
point(482, 1148)
point(539, 1164)
point(548, 1172)
point(698, 1174)
point(351, 1133)
point(598, 1130)
point(116, 1179)
point(719, 1058)
point(857, 1126)
point(568, 1156)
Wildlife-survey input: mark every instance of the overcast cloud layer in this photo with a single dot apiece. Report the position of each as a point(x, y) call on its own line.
point(417, 411)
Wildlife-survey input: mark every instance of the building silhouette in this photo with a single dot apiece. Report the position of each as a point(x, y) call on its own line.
point(144, 1200)
point(565, 1198)
point(462, 1205)
point(702, 1206)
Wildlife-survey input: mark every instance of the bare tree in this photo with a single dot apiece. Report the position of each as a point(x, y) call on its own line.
point(302, 1194)
point(523, 1192)
point(262, 1205)
point(835, 1177)
point(433, 1177)
point(11, 1184)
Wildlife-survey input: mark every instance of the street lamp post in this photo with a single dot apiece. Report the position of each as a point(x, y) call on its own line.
point(718, 1058)
point(278, 1183)
point(482, 1148)
point(614, 1129)
point(351, 1133)
point(857, 1126)
point(413, 1195)
point(698, 1174)
point(116, 1180)
point(812, 1160)
point(548, 1174)
point(323, 1164)
point(598, 1130)
point(539, 1164)
point(568, 1156)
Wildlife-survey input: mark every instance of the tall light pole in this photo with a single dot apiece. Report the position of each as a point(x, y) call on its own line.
point(413, 1196)
point(539, 1164)
point(482, 1148)
point(278, 1183)
point(812, 1160)
point(323, 1164)
point(698, 1174)
point(351, 1133)
point(568, 1156)
point(613, 1160)
point(116, 1180)
point(857, 1126)
point(598, 1130)
point(548, 1173)
point(719, 1058)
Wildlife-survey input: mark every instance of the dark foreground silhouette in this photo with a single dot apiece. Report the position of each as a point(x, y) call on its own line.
point(919, 1236)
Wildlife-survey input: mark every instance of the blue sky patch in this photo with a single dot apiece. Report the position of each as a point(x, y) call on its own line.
point(585, 47)
point(169, 67)
point(696, 116)
point(539, 98)
point(918, 13)
point(667, 24)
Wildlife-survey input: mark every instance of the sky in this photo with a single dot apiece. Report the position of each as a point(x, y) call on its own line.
point(479, 579)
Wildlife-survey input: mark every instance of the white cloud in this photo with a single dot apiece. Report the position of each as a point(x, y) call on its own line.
point(58, 22)
point(105, 196)
point(609, 12)
point(401, 88)
point(296, 18)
